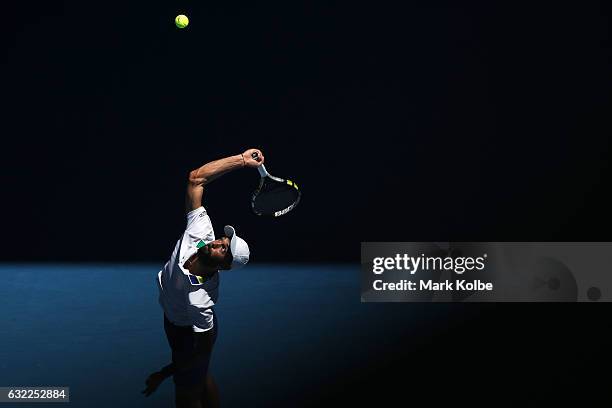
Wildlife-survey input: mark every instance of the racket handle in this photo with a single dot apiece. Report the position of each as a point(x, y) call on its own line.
point(261, 169)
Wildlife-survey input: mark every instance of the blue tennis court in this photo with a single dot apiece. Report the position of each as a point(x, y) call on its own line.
point(285, 331)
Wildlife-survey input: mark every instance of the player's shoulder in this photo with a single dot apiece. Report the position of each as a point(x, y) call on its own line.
point(199, 225)
point(197, 212)
point(198, 216)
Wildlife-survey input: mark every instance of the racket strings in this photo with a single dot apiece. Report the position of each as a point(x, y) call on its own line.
point(273, 197)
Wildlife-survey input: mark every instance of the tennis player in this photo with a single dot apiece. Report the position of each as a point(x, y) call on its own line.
point(188, 289)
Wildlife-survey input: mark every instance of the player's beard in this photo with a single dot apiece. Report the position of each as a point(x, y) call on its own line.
point(205, 259)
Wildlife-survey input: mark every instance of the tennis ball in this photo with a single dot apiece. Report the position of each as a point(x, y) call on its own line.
point(181, 21)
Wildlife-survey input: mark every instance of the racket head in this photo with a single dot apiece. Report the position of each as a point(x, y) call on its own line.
point(275, 196)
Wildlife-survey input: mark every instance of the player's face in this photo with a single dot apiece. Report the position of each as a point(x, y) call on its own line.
point(217, 252)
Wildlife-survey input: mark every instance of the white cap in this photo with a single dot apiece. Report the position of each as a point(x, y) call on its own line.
point(238, 247)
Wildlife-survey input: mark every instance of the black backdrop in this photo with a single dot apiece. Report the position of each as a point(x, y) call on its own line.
point(422, 121)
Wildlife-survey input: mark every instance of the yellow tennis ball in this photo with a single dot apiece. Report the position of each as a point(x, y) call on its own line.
point(181, 21)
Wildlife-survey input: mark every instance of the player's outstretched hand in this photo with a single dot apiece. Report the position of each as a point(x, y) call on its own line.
point(253, 162)
point(153, 382)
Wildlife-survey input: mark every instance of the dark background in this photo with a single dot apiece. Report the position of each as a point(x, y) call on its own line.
point(423, 121)
point(427, 121)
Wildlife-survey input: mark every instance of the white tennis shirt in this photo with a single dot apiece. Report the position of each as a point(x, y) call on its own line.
point(184, 303)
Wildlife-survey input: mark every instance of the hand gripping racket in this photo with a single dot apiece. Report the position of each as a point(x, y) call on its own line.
point(274, 196)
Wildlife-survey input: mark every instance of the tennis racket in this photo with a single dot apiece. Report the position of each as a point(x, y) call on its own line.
point(274, 196)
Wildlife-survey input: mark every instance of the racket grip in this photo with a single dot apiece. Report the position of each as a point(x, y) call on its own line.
point(261, 169)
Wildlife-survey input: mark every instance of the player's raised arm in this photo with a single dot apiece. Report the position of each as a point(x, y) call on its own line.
point(211, 171)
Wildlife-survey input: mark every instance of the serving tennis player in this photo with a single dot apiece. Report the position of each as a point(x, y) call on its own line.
point(189, 288)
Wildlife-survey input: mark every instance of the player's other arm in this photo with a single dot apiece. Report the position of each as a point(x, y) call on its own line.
point(203, 175)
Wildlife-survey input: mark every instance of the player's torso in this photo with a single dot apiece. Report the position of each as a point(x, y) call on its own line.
point(179, 287)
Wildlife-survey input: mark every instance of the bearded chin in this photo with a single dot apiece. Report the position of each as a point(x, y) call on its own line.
point(206, 260)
